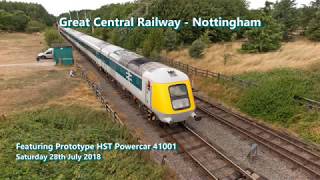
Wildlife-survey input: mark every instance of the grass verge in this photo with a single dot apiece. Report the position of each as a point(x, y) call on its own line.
point(272, 99)
point(70, 124)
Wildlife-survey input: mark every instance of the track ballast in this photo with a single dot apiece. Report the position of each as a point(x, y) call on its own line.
point(212, 160)
point(283, 145)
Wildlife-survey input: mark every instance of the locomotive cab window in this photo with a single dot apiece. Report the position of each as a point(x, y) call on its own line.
point(179, 96)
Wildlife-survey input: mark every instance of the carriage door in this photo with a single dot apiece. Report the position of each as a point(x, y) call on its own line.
point(148, 94)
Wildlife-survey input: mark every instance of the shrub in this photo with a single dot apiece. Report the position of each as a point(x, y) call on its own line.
point(196, 49)
point(170, 40)
point(264, 39)
point(273, 98)
point(34, 26)
point(115, 37)
point(205, 38)
point(153, 43)
point(52, 36)
point(13, 21)
point(313, 29)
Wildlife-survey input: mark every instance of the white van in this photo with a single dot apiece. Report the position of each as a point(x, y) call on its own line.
point(48, 54)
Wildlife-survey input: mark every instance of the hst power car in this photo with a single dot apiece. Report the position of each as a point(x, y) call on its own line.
point(166, 92)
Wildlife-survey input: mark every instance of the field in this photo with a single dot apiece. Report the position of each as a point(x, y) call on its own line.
point(40, 103)
point(302, 54)
point(26, 84)
point(23, 82)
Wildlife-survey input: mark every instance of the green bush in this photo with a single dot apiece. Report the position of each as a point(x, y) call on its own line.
point(264, 39)
point(171, 40)
point(286, 14)
point(115, 37)
point(34, 26)
point(272, 99)
point(16, 21)
point(205, 38)
point(153, 43)
point(69, 125)
point(196, 49)
point(52, 36)
point(313, 29)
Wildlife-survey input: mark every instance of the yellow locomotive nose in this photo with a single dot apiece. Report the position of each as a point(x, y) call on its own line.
point(172, 98)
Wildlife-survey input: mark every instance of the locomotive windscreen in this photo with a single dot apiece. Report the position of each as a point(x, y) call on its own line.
point(179, 96)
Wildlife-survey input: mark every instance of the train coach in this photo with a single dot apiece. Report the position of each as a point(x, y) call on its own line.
point(166, 92)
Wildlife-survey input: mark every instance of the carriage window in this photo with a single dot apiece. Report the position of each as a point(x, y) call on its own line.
point(179, 96)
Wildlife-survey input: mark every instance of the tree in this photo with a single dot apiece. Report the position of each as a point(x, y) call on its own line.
point(196, 49)
point(13, 21)
point(153, 43)
point(313, 29)
point(52, 36)
point(306, 13)
point(264, 39)
point(32, 10)
point(205, 38)
point(170, 40)
point(34, 26)
point(186, 10)
point(134, 39)
point(20, 21)
point(115, 37)
point(315, 4)
point(268, 7)
point(286, 14)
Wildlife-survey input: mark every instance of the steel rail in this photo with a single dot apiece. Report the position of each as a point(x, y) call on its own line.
point(242, 171)
point(237, 167)
point(267, 143)
point(261, 127)
point(195, 159)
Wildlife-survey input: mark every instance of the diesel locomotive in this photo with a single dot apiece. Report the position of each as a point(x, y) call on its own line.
point(166, 92)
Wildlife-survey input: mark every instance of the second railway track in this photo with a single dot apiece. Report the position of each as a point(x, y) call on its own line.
point(285, 146)
point(207, 156)
point(212, 160)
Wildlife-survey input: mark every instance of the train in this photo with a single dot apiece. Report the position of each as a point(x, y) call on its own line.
point(164, 91)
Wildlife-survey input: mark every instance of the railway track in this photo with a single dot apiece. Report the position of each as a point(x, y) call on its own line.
point(207, 156)
point(212, 160)
point(283, 145)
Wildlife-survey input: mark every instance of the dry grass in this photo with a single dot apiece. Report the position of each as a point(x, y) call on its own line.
point(20, 47)
point(32, 86)
point(316, 130)
point(299, 54)
point(78, 95)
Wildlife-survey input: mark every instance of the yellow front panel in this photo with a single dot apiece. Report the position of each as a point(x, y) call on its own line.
point(161, 101)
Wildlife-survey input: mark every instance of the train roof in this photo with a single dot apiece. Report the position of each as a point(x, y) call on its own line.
point(138, 64)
